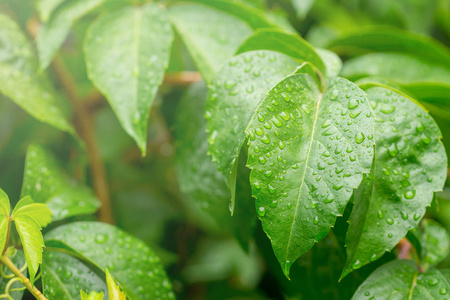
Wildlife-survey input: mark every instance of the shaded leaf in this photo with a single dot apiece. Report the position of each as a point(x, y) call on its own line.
point(53, 32)
point(435, 241)
point(63, 276)
point(113, 289)
point(17, 288)
point(4, 219)
point(302, 7)
point(127, 51)
point(410, 164)
point(127, 256)
point(307, 152)
point(235, 93)
point(400, 279)
point(19, 81)
point(211, 36)
point(46, 183)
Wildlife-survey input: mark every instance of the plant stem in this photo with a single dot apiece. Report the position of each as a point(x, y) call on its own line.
point(26, 282)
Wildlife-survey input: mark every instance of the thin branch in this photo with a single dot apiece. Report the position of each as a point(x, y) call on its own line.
point(25, 281)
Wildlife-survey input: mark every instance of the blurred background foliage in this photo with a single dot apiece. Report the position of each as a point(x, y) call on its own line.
point(202, 258)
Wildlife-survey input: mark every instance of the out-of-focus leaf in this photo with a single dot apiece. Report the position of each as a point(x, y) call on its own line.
point(113, 289)
point(127, 51)
point(289, 44)
point(17, 289)
point(211, 36)
point(46, 183)
point(19, 81)
point(53, 33)
point(45, 8)
point(306, 158)
point(63, 276)
point(302, 7)
point(126, 257)
point(410, 164)
point(234, 94)
point(333, 64)
point(4, 218)
point(435, 241)
point(400, 279)
point(392, 40)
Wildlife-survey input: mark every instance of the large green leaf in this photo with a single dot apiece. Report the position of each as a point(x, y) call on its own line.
point(307, 152)
point(53, 33)
point(136, 268)
point(127, 51)
point(235, 93)
point(211, 36)
point(46, 183)
point(289, 44)
point(400, 279)
point(435, 242)
point(392, 40)
point(409, 165)
point(194, 166)
point(45, 8)
point(19, 81)
point(63, 276)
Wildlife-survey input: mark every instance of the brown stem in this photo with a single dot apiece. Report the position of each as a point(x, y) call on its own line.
point(26, 282)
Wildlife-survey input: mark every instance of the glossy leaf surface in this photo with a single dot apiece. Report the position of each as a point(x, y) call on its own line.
point(113, 289)
point(307, 152)
point(410, 164)
point(127, 256)
point(127, 52)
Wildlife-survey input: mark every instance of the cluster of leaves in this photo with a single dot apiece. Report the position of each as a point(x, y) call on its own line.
point(276, 120)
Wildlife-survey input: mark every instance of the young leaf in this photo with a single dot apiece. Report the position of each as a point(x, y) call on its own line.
point(234, 94)
point(127, 51)
point(307, 152)
point(435, 241)
point(63, 276)
point(127, 256)
point(409, 165)
point(211, 36)
point(113, 289)
point(91, 296)
point(289, 44)
point(18, 79)
point(16, 289)
point(400, 279)
point(53, 33)
point(46, 183)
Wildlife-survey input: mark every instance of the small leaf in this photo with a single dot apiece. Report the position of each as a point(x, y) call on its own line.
point(211, 36)
point(46, 183)
point(410, 164)
point(5, 206)
point(127, 51)
point(435, 241)
point(53, 32)
point(400, 279)
point(231, 103)
point(289, 44)
point(91, 296)
point(113, 289)
point(307, 152)
point(63, 276)
point(19, 82)
point(127, 256)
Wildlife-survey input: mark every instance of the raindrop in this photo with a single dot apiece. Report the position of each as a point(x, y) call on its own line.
point(261, 211)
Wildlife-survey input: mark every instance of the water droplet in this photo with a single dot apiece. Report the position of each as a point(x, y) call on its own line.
point(286, 97)
point(390, 235)
point(334, 94)
point(262, 160)
point(389, 221)
point(393, 150)
point(443, 291)
point(261, 118)
point(433, 281)
point(261, 211)
point(387, 109)
point(337, 187)
point(316, 220)
point(259, 131)
point(410, 194)
point(272, 190)
point(326, 123)
point(265, 139)
point(367, 294)
point(359, 138)
point(229, 84)
point(353, 103)
point(380, 214)
point(277, 122)
point(321, 165)
point(285, 116)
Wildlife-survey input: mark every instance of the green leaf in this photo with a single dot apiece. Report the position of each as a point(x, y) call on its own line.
point(307, 156)
point(113, 289)
point(45, 8)
point(32, 241)
point(400, 279)
point(63, 276)
point(333, 64)
point(194, 167)
point(127, 51)
point(402, 68)
point(46, 183)
point(17, 288)
point(4, 218)
point(5, 206)
point(289, 44)
point(435, 241)
point(19, 81)
point(127, 256)
point(53, 32)
point(410, 164)
point(91, 296)
point(392, 40)
point(38, 211)
point(235, 93)
point(211, 36)
point(302, 7)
